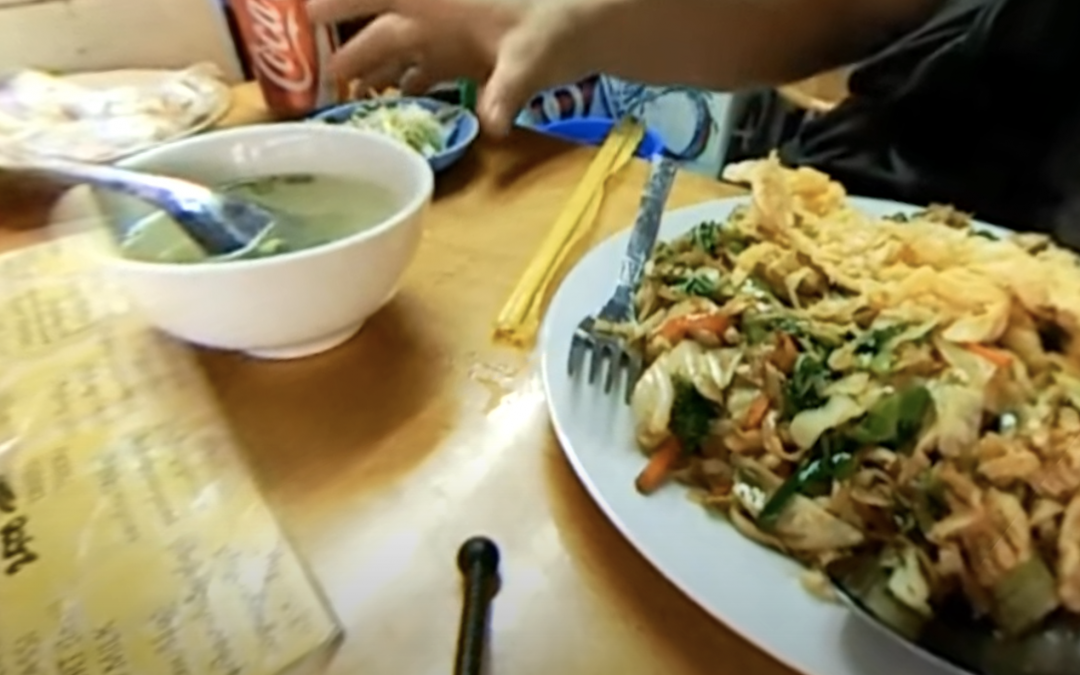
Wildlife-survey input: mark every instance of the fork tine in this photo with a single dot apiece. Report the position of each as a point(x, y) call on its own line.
point(597, 361)
point(633, 374)
point(618, 357)
point(620, 307)
point(578, 347)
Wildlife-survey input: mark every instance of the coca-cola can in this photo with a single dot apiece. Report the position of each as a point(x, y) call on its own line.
point(288, 56)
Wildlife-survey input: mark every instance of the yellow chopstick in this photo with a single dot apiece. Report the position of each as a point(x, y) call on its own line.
point(519, 319)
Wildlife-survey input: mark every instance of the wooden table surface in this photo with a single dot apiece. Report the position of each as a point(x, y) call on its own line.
point(382, 456)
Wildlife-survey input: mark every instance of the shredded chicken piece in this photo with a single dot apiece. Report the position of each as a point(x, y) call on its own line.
point(961, 488)
point(1022, 337)
point(1004, 461)
point(950, 560)
point(1045, 517)
point(1058, 476)
point(955, 525)
point(1001, 542)
point(1045, 510)
point(913, 466)
point(993, 530)
point(773, 443)
point(1069, 557)
point(951, 565)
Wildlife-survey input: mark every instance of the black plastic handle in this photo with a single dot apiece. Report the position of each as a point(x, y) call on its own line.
point(478, 560)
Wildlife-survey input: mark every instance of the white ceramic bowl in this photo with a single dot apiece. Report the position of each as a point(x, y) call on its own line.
point(295, 304)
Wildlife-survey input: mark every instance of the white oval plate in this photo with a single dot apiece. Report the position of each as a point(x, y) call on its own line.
point(217, 107)
point(222, 101)
point(755, 591)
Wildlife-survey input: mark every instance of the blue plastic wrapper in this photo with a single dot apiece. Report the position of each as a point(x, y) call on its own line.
point(693, 124)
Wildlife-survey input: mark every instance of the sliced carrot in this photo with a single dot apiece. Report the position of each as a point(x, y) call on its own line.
point(660, 464)
point(786, 353)
point(756, 414)
point(998, 357)
point(676, 328)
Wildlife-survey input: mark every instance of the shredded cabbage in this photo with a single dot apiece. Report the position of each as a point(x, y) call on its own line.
point(409, 123)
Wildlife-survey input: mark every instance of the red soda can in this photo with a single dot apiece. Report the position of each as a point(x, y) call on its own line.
point(288, 56)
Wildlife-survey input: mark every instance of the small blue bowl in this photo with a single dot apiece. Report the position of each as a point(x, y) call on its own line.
point(460, 131)
point(593, 131)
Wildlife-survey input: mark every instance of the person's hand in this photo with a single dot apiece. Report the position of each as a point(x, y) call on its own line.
point(514, 47)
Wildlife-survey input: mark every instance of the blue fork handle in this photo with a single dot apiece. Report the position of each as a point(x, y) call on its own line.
point(646, 227)
point(152, 188)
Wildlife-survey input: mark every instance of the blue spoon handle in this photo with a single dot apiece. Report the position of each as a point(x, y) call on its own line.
point(194, 207)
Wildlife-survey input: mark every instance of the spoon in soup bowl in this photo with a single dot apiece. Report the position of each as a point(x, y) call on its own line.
point(224, 226)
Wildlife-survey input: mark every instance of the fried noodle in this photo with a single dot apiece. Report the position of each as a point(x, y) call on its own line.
point(836, 382)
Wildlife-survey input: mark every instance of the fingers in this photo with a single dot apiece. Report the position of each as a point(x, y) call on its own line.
point(419, 80)
point(389, 75)
point(549, 47)
point(333, 11)
point(519, 73)
point(383, 43)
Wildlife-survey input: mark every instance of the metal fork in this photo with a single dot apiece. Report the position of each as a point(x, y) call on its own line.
point(614, 349)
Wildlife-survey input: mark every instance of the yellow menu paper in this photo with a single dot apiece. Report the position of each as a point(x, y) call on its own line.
point(132, 539)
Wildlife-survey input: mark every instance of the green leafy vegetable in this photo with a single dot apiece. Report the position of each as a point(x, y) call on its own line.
point(875, 347)
point(892, 422)
point(984, 234)
point(899, 218)
point(790, 325)
point(710, 236)
point(756, 288)
point(264, 185)
point(733, 242)
point(706, 236)
point(704, 282)
point(878, 339)
point(755, 332)
point(928, 503)
point(758, 328)
point(895, 420)
point(804, 389)
point(755, 326)
point(814, 475)
point(663, 252)
point(691, 416)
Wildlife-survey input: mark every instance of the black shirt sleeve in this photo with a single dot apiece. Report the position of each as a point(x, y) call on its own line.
point(974, 108)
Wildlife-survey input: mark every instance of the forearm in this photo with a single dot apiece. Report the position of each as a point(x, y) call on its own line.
point(733, 44)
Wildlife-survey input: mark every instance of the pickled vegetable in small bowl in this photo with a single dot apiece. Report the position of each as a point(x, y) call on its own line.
point(439, 131)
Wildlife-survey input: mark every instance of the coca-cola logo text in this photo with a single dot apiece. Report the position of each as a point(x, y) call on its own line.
point(275, 46)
